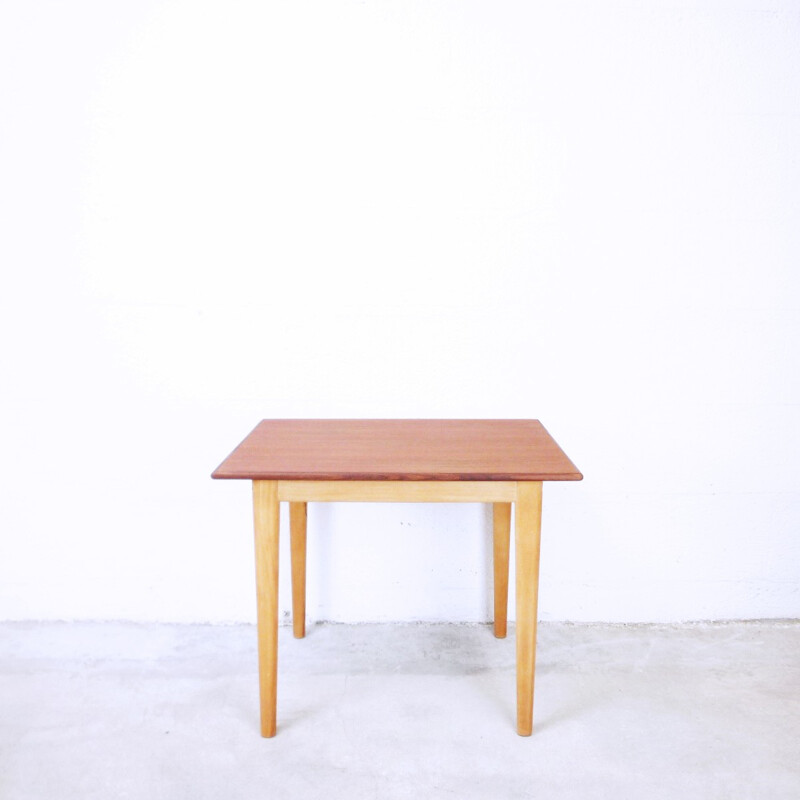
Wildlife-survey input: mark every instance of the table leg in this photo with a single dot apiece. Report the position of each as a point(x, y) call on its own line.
point(502, 538)
point(297, 527)
point(266, 514)
point(528, 535)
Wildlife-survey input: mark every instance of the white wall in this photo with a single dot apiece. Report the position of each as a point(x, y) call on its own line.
point(215, 212)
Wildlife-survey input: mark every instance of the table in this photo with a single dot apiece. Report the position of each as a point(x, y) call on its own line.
point(502, 462)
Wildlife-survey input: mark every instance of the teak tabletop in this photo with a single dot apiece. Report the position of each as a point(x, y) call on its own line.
point(503, 462)
point(399, 450)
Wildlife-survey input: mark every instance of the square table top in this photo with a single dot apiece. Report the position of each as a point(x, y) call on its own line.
point(399, 450)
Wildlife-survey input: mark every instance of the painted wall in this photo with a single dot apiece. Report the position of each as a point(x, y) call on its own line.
point(581, 212)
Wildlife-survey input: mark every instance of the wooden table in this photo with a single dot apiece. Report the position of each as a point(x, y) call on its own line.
point(487, 461)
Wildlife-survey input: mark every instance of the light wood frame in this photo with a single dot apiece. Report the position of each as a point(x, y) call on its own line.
point(526, 497)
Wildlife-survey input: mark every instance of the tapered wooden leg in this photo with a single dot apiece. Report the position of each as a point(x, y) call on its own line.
point(502, 538)
point(266, 513)
point(528, 523)
point(297, 526)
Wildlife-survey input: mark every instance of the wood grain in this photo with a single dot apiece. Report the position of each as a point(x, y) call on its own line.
point(399, 450)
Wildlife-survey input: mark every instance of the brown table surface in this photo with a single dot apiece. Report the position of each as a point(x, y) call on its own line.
point(399, 450)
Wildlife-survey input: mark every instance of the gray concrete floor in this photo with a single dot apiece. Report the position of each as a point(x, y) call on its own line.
point(114, 710)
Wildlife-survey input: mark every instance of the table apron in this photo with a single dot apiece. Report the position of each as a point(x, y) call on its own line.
point(398, 491)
